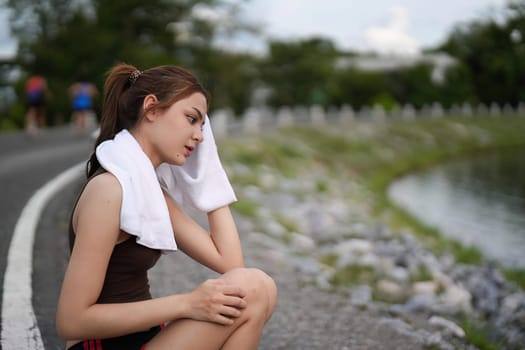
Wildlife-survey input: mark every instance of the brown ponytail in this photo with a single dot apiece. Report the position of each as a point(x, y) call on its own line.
point(124, 92)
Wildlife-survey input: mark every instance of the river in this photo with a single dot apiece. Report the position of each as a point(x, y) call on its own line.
point(479, 201)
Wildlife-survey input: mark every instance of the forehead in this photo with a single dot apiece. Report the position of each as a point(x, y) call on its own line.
point(195, 100)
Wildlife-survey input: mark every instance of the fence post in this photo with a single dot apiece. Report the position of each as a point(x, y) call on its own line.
point(378, 113)
point(284, 117)
point(251, 121)
point(520, 110)
point(408, 112)
point(317, 116)
point(466, 110)
point(436, 110)
point(346, 113)
point(220, 121)
point(495, 109)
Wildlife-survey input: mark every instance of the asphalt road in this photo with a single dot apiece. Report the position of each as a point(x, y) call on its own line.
point(27, 164)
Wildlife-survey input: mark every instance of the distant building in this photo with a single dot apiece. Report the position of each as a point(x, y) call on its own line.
point(440, 61)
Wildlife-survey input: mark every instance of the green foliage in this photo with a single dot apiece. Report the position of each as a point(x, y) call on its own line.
point(66, 42)
point(246, 208)
point(287, 223)
point(353, 274)
point(299, 71)
point(493, 50)
point(479, 335)
point(322, 185)
point(421, 274)
point(329, 259)
point(357, 88)
point(517, 276)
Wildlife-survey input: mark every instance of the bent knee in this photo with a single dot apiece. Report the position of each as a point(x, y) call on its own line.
point(259, 286)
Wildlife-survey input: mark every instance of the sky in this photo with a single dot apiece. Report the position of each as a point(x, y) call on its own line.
point(400, 27)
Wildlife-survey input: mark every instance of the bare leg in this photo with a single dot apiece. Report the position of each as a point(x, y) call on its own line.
point(31, 121)
point(244, 333)
point(41, 117)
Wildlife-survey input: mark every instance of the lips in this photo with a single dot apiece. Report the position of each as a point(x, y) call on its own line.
point(188, 151)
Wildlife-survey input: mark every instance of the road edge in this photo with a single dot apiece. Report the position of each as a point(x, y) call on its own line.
point(19, 326)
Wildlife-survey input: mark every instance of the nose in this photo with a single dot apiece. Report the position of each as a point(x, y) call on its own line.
point(198, 135)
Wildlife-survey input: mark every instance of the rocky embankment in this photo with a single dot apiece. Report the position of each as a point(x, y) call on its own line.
point(346, 278)
point(347, 281)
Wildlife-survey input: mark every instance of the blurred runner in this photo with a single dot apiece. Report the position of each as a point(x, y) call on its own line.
point(36, 90)
point(82, 94)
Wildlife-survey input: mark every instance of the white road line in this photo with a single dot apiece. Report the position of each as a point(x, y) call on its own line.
point(19, 327)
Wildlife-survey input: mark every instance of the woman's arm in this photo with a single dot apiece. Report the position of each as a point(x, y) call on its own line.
point(220, 250)
point(96, 223)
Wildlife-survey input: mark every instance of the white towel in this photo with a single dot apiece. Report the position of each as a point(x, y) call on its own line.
point(144, 212)
point(201, 183)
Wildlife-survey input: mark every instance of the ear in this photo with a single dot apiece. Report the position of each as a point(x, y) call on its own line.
point(149, 103)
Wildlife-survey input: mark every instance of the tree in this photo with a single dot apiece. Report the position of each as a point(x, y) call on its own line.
point(356, 87)
point(493, 51)
point(299, 72)
point(65, 39)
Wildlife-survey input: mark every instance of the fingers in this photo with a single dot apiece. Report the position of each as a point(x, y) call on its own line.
point(227, 289)
point(234, 291)
point(235, 302)
point(218, 302)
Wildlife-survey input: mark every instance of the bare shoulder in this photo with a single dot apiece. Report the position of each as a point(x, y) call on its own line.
point(98, 208)
point(103, 188)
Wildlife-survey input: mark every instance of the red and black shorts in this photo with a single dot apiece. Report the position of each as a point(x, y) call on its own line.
point(133, 341)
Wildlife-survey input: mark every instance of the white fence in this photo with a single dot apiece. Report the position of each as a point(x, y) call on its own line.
point(256, 118)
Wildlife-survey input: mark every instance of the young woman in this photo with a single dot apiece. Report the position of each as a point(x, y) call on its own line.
point(118, 228)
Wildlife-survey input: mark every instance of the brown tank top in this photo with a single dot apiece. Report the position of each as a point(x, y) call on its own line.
point(127, 273)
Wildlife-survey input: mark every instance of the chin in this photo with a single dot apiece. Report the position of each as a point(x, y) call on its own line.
point(179, 161)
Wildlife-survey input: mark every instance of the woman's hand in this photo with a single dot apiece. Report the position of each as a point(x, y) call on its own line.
point(216, 301)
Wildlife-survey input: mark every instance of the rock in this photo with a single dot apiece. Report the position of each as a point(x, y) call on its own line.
point(484, 291)
point(425, 287)
point(301, 243)
point(457, 298)
point(398, 274)
point(511, 303)
point(443, 323)
point(273, 228)
point(389, 291)
point(361, 295)
point(353, 247)
point(419, 303)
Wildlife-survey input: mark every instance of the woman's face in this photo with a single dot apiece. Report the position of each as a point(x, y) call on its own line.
point(178, 129)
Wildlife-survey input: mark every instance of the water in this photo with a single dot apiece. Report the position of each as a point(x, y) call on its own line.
point(480, 201)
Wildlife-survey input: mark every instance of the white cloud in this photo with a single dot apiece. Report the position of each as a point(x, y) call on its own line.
point(392, 38)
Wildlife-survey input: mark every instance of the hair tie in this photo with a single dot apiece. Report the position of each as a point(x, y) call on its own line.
point(134, 76)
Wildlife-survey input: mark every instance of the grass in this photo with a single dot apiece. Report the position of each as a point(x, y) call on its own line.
point(479, 335)
point(421, 274)
point(287, 223)
point(246, 208)
point(515, 275)
point(353, 274)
